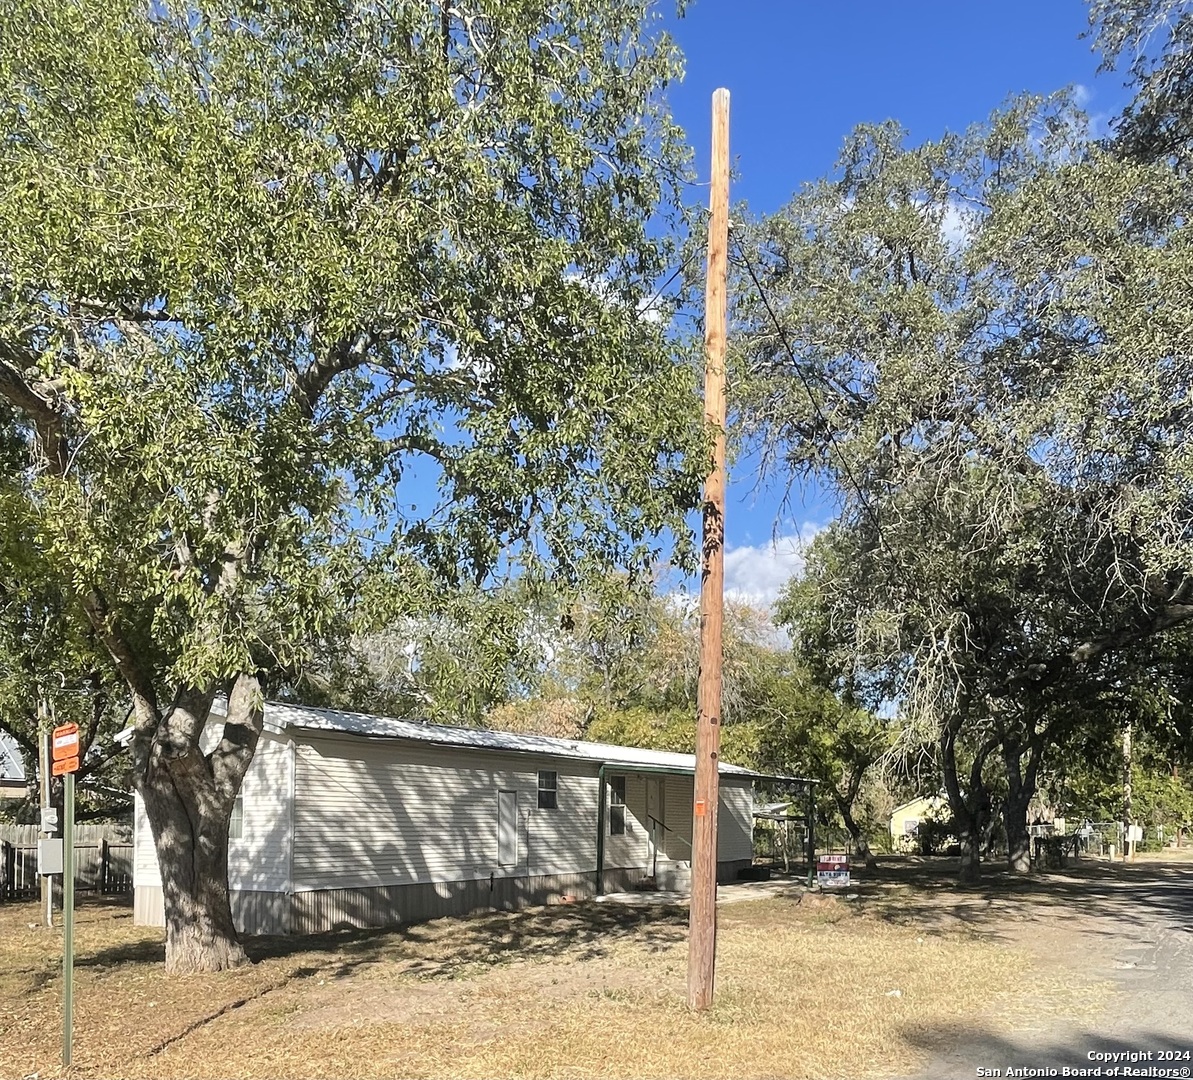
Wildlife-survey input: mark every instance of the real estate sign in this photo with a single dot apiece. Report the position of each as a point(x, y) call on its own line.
point(832, 871)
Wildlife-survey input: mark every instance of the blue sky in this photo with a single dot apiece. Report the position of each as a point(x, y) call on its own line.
point(802, 74)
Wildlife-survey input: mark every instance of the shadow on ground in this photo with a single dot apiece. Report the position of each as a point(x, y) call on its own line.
point(926, 892)
point(446, 947)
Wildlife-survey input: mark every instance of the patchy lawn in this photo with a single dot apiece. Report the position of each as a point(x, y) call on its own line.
point(819, 988)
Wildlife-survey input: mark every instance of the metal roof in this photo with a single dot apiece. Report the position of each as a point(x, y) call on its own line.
point(12, 766)
point(304, 718)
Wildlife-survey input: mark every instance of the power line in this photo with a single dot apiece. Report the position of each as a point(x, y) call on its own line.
point(796, 366)
point(663, 288)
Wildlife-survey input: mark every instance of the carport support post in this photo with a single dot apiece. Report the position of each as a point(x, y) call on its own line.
point(702, 925)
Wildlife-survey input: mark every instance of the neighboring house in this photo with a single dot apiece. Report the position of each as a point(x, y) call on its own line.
point(13, 784)
point(906, 820)
point(346, 819)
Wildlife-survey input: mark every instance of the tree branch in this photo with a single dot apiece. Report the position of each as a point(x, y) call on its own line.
point(242, 728)
point(314, 381)
point(39, 401)
point(127, 663)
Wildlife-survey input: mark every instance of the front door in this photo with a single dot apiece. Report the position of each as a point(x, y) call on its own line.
point(655, 815)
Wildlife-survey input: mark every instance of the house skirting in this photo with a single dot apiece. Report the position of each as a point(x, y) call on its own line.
point(320, 910)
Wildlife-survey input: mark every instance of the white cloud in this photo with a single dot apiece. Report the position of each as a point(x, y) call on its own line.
point(755, 573)
point(956, 226)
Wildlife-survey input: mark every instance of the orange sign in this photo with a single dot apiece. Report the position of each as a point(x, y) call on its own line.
point(65, 765)
point(701, 808)
point(66, 743)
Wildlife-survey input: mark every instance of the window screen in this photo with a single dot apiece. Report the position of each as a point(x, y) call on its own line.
point(548, 790)
point(236, 821)
point(617, 806)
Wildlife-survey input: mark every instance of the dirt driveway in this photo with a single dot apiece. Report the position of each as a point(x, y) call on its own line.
point(1125, 931)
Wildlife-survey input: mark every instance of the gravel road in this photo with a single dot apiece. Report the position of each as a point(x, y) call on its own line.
point(1127, 926)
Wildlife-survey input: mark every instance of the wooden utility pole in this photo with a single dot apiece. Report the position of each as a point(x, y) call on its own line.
point(43, 776)
point(702, 926)
point(1128, 817)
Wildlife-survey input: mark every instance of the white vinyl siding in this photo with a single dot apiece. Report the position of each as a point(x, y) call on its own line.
point(397, 813)
point(370, 812)
point(260, 859)
point(735, 822)
point(145, 868)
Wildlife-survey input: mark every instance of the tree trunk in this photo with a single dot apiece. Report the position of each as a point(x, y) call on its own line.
point(192, 856)
point(188, 799)
point(1014, 815)
point(967, 808)
point(1020, 789)
point(971, 853)
point(861, 846)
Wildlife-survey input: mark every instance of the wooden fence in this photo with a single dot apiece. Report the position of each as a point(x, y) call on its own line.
point(103, 860)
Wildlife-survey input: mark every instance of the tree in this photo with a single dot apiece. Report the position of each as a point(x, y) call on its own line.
point(312, 315)
point(818, 723)
point(54, 671)
point(630, 678)
point(1158, 37)
point(470, 650)
point(979, 343)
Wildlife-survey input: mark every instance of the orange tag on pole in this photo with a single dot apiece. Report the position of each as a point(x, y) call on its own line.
point(66, 743)
point(65, 765)
point(701, 808)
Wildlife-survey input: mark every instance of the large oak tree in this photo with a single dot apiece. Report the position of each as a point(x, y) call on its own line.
point(983, 343)
point(311, 311)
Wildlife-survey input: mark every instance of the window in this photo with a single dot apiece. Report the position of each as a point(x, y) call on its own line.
point(911, 827)
point(236, 821)
point(548, 790)
point(617, 806)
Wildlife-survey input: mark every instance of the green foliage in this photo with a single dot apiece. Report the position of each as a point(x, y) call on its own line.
point(1090, 784)
point(633, 661)
point(53, 671)
point(655, 729)
point(258, 262)
point(1156, 36)
point(981, 346)
point(318, 318)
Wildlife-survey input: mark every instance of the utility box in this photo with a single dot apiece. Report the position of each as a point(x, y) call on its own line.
point(49, 856)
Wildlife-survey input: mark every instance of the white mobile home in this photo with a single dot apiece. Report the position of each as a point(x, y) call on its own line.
point(346, 819)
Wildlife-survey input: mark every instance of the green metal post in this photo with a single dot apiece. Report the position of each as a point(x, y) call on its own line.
point(600, 852)
point(68, 919)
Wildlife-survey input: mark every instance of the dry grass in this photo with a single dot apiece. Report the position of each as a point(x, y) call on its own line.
point(1168, 855)
point(587, 991)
